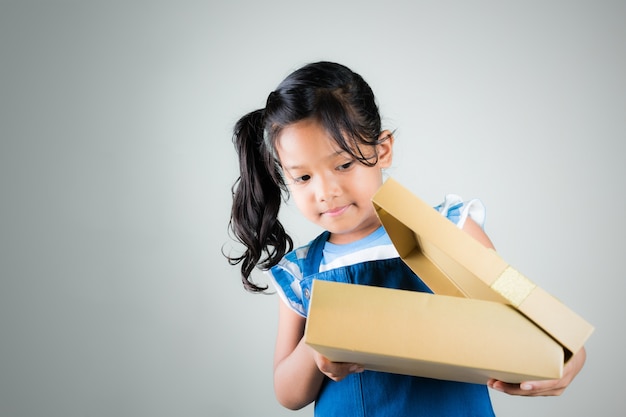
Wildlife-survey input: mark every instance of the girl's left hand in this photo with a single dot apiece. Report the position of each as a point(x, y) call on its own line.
point(544, 388)
point(335, 370)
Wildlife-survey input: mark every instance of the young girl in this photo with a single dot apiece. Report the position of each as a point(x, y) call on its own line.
point(319, 138)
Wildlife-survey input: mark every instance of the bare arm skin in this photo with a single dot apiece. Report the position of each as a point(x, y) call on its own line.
point(298, 369)
point(297, 379)
point(531, 388)
point(475, 231)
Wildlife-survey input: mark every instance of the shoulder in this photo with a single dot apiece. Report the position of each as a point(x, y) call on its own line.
point(458, 210)
point(286, 277)
point(467, 215)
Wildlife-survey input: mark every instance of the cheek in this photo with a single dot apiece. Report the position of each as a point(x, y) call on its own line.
point(370, 182)
point(302, 201)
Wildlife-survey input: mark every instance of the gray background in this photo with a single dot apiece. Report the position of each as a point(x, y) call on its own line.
point(116, 164)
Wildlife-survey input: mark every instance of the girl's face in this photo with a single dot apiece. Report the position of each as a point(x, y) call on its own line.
point(330, 187)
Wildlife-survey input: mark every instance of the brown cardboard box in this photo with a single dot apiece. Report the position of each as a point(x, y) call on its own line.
point(422, 334)
point(453, 263)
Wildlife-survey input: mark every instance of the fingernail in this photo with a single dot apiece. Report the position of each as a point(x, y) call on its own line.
point(497, 387)
point(526, 387)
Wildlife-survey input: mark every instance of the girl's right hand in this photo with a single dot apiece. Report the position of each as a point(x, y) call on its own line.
point(335, 370)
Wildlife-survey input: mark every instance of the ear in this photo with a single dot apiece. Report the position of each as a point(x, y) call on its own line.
point(385, 149)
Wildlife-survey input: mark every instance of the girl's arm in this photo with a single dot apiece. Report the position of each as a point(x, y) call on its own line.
point(298, 369)
point(477, 232)
point(297, 379)
point(533, 388)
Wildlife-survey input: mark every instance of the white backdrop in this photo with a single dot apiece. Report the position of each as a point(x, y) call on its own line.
point(116, 164)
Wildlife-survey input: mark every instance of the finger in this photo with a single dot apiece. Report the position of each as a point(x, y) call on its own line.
point(550, 387)
point(356, 368)
point(530, 389)
point(339, 370)
point(339, 374)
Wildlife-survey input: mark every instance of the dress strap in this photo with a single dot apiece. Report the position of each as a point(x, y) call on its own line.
point(314, 254)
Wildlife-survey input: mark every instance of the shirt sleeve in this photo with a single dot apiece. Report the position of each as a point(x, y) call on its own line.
point(286, 277)
point(457, 210)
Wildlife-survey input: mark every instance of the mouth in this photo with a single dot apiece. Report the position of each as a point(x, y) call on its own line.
point(336, 211)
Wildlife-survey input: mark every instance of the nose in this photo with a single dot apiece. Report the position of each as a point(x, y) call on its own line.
point(327, 188)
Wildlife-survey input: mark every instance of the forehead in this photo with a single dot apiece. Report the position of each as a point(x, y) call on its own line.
point(305, 142)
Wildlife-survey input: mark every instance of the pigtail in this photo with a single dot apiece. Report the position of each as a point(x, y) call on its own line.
point(257, 195)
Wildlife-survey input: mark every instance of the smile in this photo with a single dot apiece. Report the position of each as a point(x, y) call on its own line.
point(336, 211)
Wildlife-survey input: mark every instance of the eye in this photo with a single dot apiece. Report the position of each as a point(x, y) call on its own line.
point(345, 166)
point(302, 179)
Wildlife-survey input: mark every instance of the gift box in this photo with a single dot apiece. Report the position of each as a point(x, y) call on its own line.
point(453, 263)
point(428, 335)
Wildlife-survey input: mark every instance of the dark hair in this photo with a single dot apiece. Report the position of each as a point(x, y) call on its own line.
point(329, 93)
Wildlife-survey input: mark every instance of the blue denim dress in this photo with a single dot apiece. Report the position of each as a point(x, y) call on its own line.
point(380, 394)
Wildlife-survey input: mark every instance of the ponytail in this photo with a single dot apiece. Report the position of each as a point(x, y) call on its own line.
point(257, 195)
